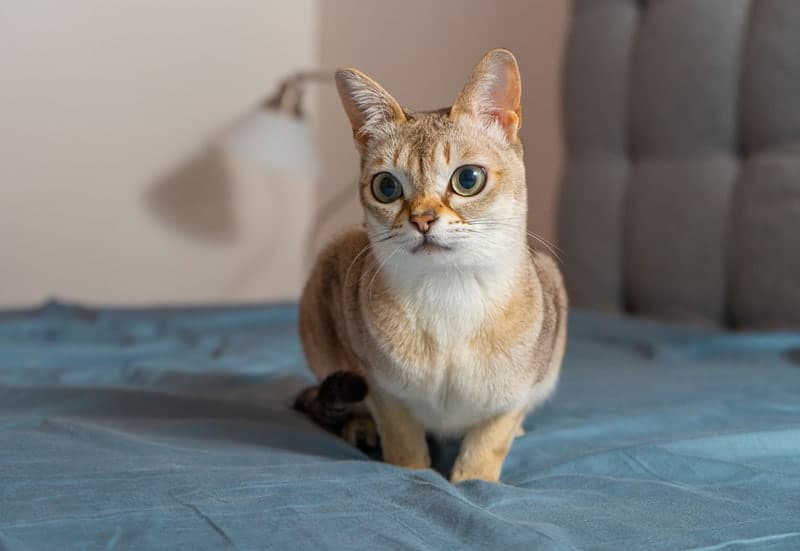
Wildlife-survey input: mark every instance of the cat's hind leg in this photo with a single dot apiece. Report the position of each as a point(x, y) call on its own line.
point(360, 431)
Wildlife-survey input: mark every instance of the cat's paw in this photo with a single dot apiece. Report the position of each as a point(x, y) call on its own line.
point(487, 473)
point(361, 433)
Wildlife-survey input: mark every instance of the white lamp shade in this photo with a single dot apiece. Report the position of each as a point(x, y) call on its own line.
point(276, 140)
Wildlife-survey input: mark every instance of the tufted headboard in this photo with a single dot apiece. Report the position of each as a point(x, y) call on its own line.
point(681, 195)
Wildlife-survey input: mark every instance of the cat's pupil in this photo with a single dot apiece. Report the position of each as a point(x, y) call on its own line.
point(388, 186)
point(468, 178)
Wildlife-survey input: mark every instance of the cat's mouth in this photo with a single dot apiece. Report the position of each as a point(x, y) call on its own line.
point(428, 246)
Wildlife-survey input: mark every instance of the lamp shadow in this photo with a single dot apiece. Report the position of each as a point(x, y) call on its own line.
point(197, 198)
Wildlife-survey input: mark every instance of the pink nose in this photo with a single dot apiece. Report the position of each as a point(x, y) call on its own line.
point(423, 220)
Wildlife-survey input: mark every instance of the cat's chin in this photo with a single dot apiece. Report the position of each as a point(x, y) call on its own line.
point(429, 245)
point(430, 248)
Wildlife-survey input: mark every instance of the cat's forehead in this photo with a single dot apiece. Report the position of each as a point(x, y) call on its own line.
point(425, 135)
point(423, 128)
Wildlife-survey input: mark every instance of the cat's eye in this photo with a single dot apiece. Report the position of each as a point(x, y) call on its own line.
point(386, 188)
point(468, 180)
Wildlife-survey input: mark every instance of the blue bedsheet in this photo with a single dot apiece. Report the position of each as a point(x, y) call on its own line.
point(171, 429)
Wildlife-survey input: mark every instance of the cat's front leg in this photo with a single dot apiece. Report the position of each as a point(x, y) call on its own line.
point(486, 446)
point(402, 437)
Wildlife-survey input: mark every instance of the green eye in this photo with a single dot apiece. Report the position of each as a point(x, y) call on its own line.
point(386, 188)
point(468, 180)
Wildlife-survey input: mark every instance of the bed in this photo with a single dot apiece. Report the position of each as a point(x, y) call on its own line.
point(676, 424)
point(174, 429)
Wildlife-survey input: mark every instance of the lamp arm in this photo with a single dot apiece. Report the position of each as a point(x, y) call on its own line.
point(289, 96)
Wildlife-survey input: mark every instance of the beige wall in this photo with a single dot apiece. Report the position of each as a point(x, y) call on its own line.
point(106, 191)
point(109, 192)
point(422, 54)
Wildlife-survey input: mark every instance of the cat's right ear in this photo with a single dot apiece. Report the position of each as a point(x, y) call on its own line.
point(370, 108)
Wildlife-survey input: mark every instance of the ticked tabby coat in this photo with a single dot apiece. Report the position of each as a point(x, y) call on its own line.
point(437, 301)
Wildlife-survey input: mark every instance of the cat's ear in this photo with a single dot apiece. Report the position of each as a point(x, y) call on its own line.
point(493, 93)
point(370, 108)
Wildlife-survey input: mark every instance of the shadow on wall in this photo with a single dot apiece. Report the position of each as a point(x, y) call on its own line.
point(197, 198)
point(249, 221)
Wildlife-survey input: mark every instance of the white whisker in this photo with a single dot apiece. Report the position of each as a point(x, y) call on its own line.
point(355, 259)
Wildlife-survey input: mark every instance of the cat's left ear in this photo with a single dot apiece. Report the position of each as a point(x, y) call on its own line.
point(493, 93)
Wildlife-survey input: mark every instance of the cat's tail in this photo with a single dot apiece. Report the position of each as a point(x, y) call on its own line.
point(331, 403)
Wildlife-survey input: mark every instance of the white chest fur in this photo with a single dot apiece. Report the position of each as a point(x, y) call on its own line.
point(455, 383)
point(453, 392)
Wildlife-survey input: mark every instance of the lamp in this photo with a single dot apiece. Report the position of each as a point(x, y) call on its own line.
point(276, 134)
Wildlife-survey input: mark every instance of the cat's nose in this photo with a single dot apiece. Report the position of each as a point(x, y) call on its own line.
point(423, 220)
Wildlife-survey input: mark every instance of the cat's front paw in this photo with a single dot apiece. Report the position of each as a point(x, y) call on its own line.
point(487, 473)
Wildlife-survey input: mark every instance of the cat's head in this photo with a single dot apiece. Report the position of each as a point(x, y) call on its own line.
point(446, 187)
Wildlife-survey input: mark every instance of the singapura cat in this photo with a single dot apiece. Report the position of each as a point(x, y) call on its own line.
point(436, 302)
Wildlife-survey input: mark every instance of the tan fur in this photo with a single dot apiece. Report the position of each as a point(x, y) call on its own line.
point(486, 446)
point(464, 340)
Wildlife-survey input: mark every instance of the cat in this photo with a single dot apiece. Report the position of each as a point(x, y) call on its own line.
point(436, 302)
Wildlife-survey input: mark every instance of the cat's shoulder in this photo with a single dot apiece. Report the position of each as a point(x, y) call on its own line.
point(549, 275)
point(344, 247)
point(545, 262)
point(352, 238)
point(337, 262)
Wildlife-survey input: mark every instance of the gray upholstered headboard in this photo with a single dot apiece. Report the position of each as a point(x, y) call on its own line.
point(681, 197)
